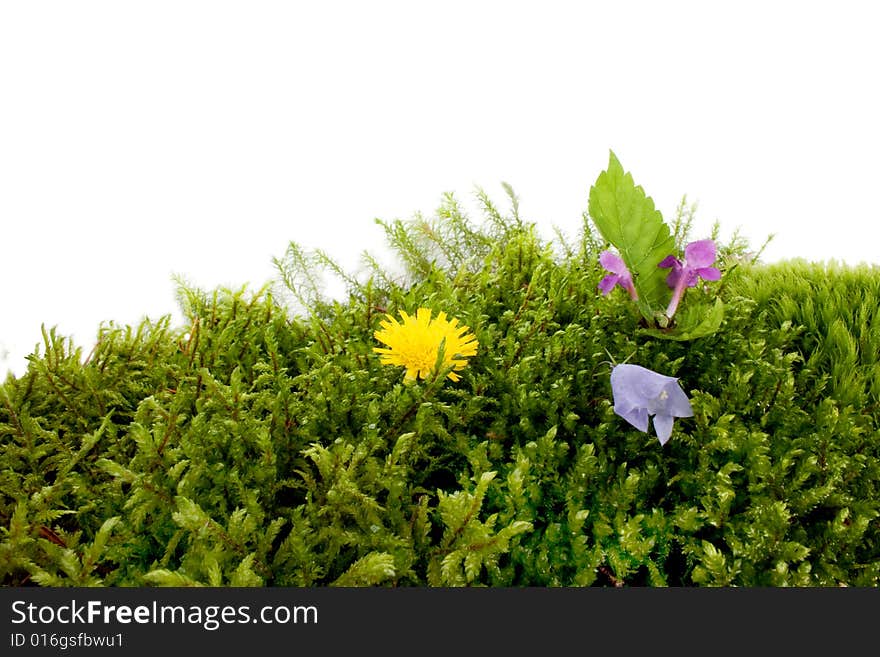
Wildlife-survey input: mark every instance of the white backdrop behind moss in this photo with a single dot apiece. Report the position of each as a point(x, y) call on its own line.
point(138, 141)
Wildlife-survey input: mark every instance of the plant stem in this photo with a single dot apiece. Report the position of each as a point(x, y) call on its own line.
point(677, 294)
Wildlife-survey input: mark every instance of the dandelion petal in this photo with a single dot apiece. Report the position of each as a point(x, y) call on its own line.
point(416, 343)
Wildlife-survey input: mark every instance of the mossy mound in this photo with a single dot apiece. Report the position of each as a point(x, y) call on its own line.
point(259, 446)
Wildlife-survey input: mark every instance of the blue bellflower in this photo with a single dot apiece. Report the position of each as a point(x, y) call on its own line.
point(640, 392)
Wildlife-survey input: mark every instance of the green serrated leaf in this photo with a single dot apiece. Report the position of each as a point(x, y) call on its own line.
point(627, 218)
point(694, 321)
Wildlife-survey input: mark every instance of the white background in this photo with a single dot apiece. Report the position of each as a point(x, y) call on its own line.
point(144, 139)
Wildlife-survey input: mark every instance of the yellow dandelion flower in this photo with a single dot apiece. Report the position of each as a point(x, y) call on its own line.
point(415, 344)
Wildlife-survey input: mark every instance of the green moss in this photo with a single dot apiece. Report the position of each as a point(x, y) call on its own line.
point(262, 442)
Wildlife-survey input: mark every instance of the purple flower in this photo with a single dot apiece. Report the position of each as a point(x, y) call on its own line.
point(698, 258)
point(640, 392)
point(619, 274)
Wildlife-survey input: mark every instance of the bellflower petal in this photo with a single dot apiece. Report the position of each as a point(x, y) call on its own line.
point(638, 417)
point(640, 392)
point(663, 427)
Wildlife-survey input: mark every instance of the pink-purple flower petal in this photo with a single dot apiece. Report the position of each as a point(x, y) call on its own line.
point(673, 277)
point(613, 263)
point(698, 259)
point(607, 284)
point(619, 274)
point(670, 261)
point(709, 273)
point(700, 254)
